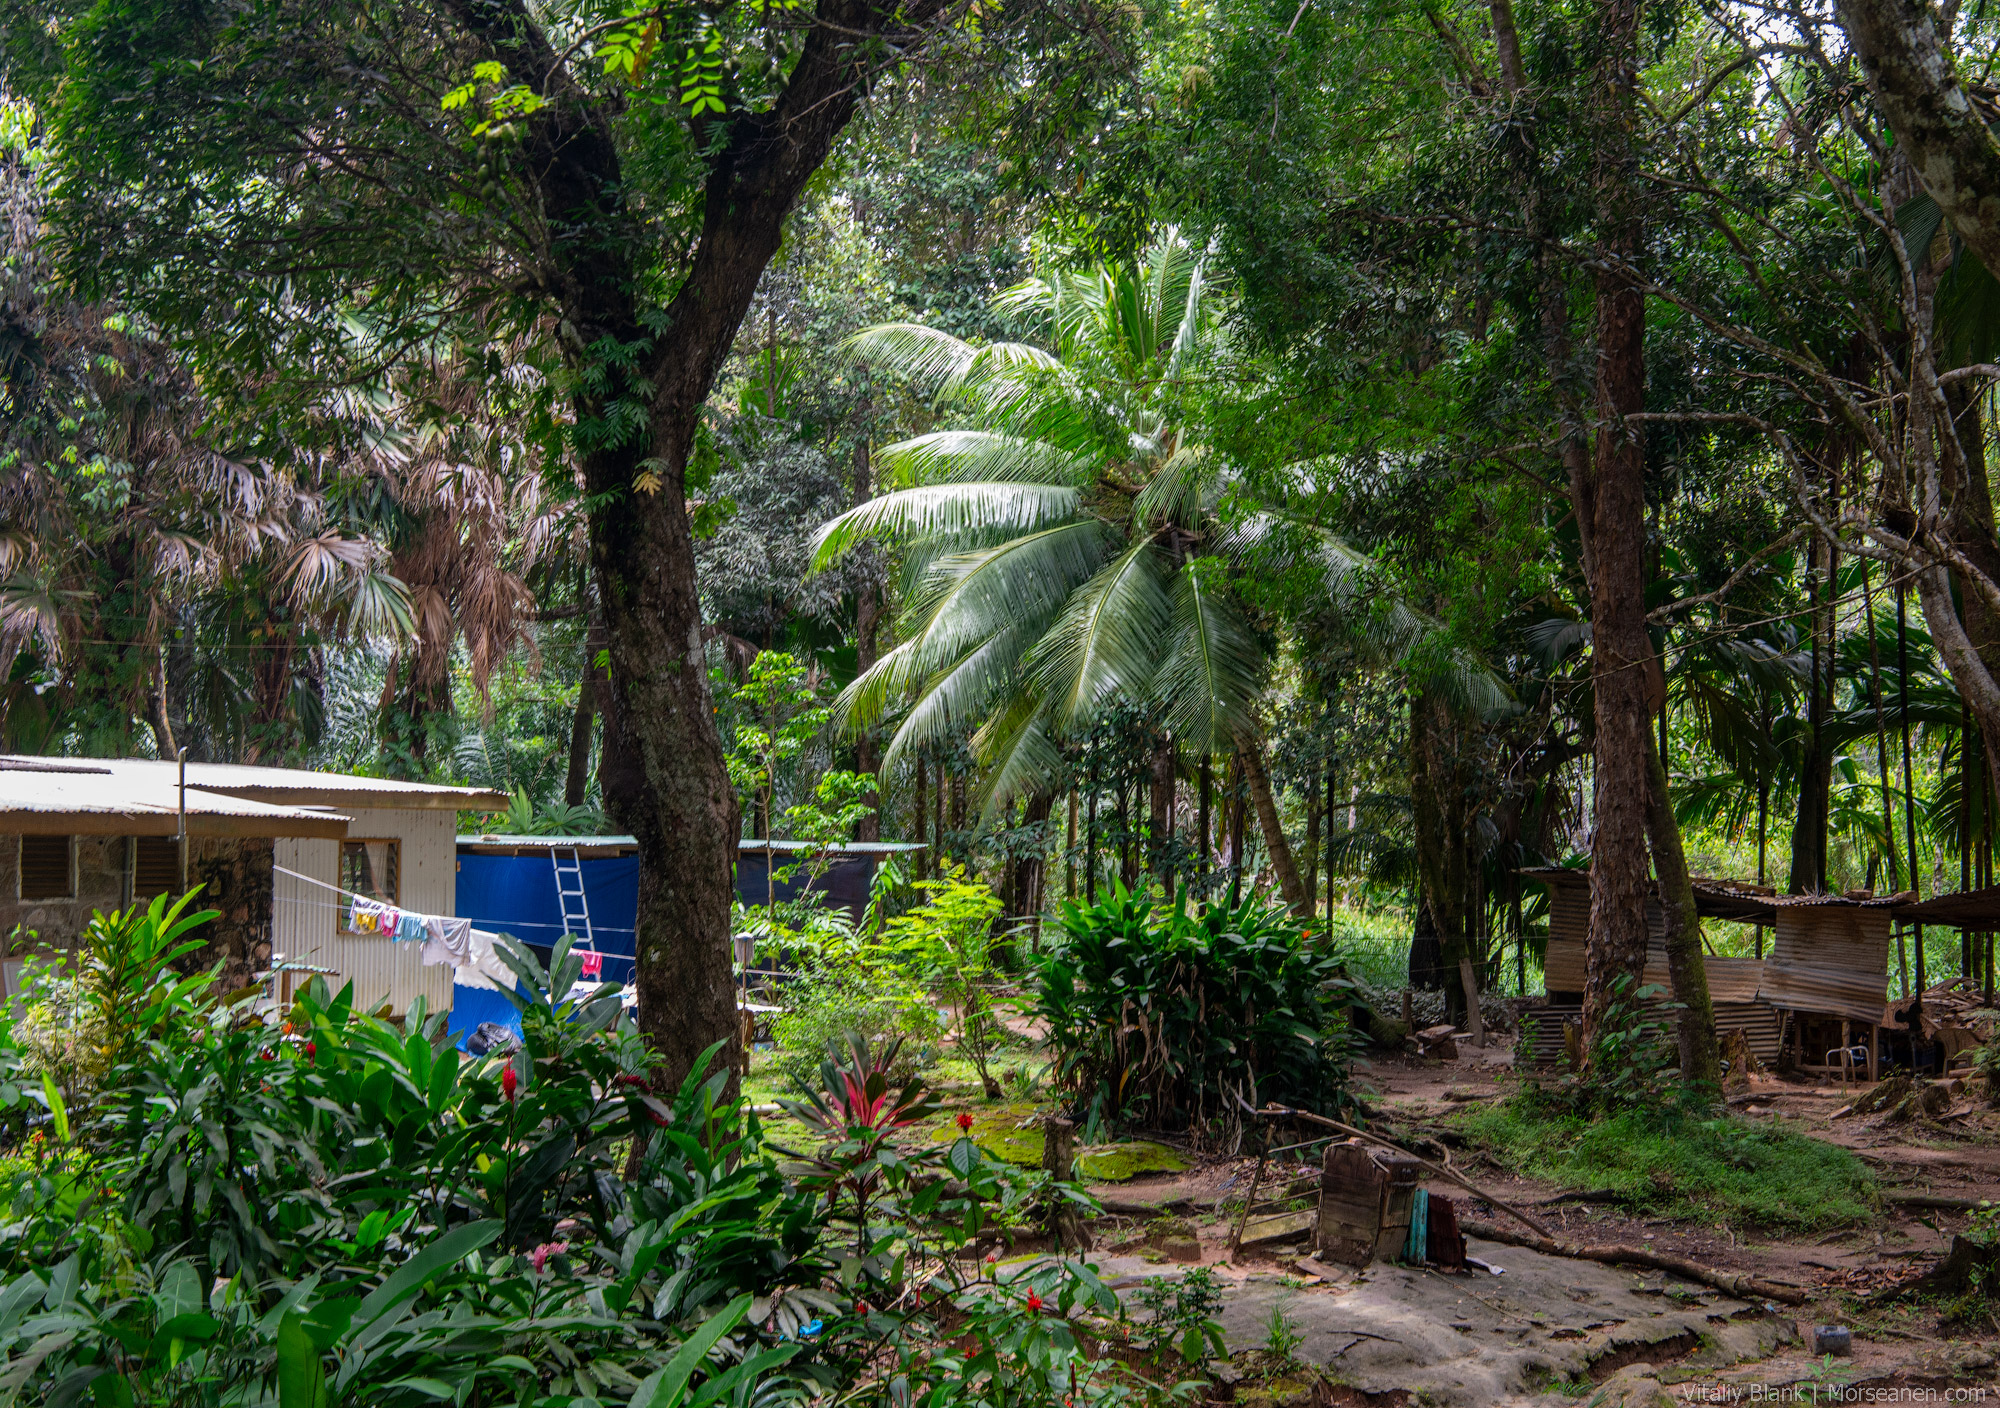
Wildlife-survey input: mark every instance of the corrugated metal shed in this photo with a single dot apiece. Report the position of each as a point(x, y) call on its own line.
point(1829, 957)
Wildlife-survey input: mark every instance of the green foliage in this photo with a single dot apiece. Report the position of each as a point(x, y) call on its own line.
point(945, 947)
point(1170, 1016)
point(1632, 1060)
point(781, 716)
point(1181, 1315)
point(1679, 1163)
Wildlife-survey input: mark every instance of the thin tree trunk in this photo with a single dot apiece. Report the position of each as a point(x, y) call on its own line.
point(1028, 879)
point(1090, 843)
point(920, 813)
point(1809, 828)
point(1909, 795)
point(1069, 852)
point(1881, 729)
point(1160, 812)
point(1309, 876)
point(1235, 810)
point(938, 869)
point(1203, 804)
point(867, 629)
point(1273, 827)
point(1701, 1067)
point(1440, 818)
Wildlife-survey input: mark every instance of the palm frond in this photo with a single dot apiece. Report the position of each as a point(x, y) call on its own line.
point(1020, 585)
point(1106, 643)
point(1179, 488)
point(944, 509)
point(1019, 756)
point(983, 456)
point(1214, 667)
point(956, 696)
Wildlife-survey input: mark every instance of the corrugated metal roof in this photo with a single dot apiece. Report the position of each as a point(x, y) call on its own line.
point(748, 847)
point(281, 787)
point(94, 800)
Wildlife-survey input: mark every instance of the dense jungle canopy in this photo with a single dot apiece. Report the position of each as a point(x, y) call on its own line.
point(1355, 448)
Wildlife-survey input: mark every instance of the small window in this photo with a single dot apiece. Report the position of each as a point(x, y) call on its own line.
point(373, 869)
point(48, 870)
point(156, 867)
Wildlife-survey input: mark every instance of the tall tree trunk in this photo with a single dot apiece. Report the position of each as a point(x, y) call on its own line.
point(664, 776)
point(1910, 71)
point(1701, 1067)
point(1286, 869)
point(1309, 876)
point(920, 816)
point(1028, 869)
point(576, 783)
point(1620, 651)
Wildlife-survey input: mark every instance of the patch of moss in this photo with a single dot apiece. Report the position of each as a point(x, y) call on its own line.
point(1115, 1163)
point(1003, 1132)
point(1009, 1133)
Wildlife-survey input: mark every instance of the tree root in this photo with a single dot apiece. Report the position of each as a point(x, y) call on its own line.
point(1742, 1287)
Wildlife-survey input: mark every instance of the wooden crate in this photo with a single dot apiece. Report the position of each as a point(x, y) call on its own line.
point(1364, 1204)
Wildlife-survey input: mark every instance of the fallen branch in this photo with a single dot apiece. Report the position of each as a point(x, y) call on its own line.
point(1284, 1111)
point(1124, 1207)
point(1742, 1287)
point(1595, 1195)
point(1941, 1202)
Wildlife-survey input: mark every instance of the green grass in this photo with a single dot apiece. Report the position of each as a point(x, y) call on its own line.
point(1681, 1165)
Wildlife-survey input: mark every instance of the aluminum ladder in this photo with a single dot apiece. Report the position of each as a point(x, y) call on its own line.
point(575, 904)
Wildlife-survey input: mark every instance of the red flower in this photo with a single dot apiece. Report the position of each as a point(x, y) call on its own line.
point(508, 1080)
point(540, 1255)
point(964, 1121)
point(311, 1051)
point(861, 1307)
point(1034, 1301)
point(267, 1055)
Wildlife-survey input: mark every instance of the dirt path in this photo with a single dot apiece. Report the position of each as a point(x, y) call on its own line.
point(1643, 1339)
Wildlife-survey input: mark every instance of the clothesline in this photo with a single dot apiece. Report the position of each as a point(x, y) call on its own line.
point(356, 894)
point(446, 939)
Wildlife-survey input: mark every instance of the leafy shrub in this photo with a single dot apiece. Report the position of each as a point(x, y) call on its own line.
point(945, 946)
point(323, 1207)
point(1172, 1016)
point(1632, 1061)
point(837, 996)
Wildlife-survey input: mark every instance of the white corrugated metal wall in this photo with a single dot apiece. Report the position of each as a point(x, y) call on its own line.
point(306, 919)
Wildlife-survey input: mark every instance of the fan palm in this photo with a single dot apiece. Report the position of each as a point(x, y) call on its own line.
point(1065, 548)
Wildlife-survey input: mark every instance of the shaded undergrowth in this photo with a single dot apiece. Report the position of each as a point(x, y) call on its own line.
point(1680, 1163)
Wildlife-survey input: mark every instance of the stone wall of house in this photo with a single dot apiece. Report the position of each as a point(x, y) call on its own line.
point(236, 879)
point(235, 874)
point(102, 881)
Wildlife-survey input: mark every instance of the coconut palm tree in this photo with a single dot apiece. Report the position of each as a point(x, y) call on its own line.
point(1064, 546)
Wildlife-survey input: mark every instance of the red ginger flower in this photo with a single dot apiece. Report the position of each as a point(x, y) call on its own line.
point(312, 1051)
point(964, 1121)
point(1034, 1301)
point(508, 1080)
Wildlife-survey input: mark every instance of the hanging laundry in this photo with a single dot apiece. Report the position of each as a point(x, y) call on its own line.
point(593, 963)
point(447, 940)
point(368, 916)
point(414, 927)
point(484, 967)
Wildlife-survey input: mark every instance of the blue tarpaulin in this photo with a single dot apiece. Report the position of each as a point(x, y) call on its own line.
point(517, 895)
